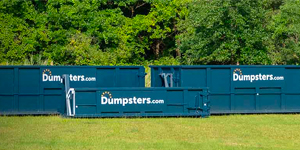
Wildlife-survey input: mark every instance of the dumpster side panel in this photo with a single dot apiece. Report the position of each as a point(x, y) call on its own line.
point(38, 89)
point(177, 103)
point(194, 77)
point(292, 88)
point(242, 89)
point(7, 81)
point(6, 89)
point(106, 77)
point(120, 102)
point(125, 77)
point(29, 81)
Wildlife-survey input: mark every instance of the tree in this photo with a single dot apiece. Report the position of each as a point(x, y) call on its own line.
point(117, 32)
point(19, 39)
point(224, 32)
point(142, 32)
point(285, 26)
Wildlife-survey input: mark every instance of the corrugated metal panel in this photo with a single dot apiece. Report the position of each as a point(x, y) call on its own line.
point(38, 90)
point(239, 89)
point(141, 102)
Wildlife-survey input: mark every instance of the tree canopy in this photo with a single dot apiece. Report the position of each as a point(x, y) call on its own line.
point(136, 32)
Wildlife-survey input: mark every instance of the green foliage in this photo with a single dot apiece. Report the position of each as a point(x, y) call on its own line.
point(136, 32)
point(224, 32)
point(285, 26)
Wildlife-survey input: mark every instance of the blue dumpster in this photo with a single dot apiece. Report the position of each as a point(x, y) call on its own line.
point(135, 102)
point(38, 89)
point(238, 89)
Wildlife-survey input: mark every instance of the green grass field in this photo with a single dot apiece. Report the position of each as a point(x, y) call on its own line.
point(217, 132)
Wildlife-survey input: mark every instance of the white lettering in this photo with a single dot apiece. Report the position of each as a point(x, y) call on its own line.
point(110, 101)
point(117, 100)
point(235, 77)
point(71, 77)
point(56, 78)
point(125, 101)
point(246, 77)
point(251, 78)
point(264, 77)
point(45, 77)
point(139, 100)
point(75, 78)
point(103, 100)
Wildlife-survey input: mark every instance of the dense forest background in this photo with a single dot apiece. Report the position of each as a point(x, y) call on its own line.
point(135, 32)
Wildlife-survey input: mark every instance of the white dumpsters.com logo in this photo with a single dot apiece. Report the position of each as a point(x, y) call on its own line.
point(238, 76)
point(47, 76)
point(106, 98)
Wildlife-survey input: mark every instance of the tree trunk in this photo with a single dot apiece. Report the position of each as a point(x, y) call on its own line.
point(157, 49)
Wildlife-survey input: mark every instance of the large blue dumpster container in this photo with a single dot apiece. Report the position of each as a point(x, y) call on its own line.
point(38, 89)
point(140, 102)
point(136, 102)
point(238, 89)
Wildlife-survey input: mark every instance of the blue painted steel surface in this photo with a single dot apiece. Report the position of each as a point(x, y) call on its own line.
point(37, 89)
point(141, 102)
point(239, 89)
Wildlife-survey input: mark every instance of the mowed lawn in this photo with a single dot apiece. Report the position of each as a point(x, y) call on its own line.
point(217, 132)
